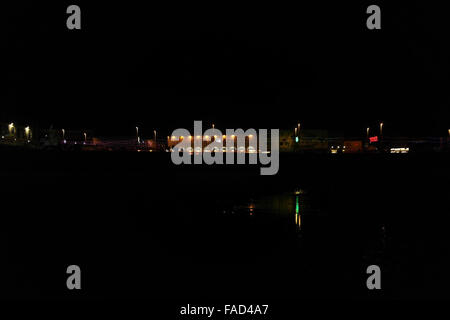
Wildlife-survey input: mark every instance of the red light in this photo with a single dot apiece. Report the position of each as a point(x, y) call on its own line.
point(373, 139)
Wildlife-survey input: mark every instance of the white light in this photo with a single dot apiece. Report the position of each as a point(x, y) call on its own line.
point(399, 150)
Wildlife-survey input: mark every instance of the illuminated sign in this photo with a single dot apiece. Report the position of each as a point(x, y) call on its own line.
point(373, 139)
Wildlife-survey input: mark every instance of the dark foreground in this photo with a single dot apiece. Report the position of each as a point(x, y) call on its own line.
point(140, 227)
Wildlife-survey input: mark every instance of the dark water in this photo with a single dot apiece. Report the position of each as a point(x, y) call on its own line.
point(140, 227)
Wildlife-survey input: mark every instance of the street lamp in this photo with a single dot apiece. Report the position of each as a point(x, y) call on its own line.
point(11, 128)
point(381, 129)
point(85, 137)
point(154, 133)
point(137, 134)
point(368, 130)
point(27, 133)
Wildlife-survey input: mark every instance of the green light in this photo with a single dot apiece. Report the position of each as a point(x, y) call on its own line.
point(296, 139)
point(297, 207)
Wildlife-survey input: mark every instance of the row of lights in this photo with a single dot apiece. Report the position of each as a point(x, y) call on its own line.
point(297, 131)
point(12, 130)
point(174, 138)
point(206, 138)
point(381, 130)
point(64, 136)
point(138, 138)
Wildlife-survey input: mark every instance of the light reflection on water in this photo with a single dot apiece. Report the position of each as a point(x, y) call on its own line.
point(298, 218)
point(291, 205)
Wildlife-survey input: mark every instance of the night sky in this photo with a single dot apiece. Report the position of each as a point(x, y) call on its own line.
point(260, 66)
